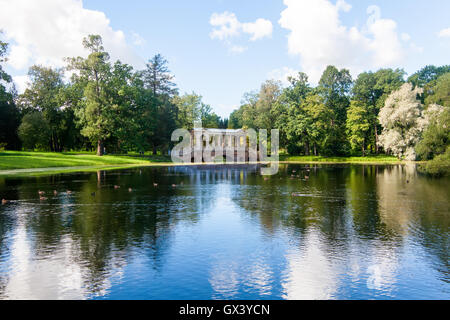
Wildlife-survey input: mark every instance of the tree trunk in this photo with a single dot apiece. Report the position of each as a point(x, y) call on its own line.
point(99, 148)
point(307, 148)
point(364, 149)
point(376, 138)
point(155, 151)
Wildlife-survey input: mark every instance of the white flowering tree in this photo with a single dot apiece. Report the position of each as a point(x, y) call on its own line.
point(403, 120)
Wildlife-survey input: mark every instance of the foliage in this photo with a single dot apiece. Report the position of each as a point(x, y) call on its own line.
point(109, 106)
point(439, 166)
point(439, 92)
point(358, 125)
point(9, 114)
point(436, 138)
point(35, 132)
point(403, 122)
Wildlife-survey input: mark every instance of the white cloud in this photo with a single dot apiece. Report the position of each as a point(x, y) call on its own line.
point(227, 26)
point(138, 40)
point(259, 29)
point(282, 74)
point(21, 82)
point(406, 37)
point(444, 33)
point(237, 49)
point(46, 31)
point(319, 38)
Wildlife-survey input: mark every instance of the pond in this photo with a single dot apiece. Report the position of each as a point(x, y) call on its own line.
point(310, 232)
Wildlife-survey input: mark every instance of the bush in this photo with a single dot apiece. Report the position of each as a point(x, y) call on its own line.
point(439, 166)
point(34, 131)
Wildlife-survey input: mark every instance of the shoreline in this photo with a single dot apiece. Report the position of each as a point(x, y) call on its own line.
point(34, 172)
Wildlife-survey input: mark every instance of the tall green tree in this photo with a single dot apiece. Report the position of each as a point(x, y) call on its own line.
point(159, 81)
point(372, 90)
point(358, 125)
point(35, 131)
point(439, 92)
point(44, 94)
point(95, 111)
point(190, 108)
point(9, 114)
point(334, 87)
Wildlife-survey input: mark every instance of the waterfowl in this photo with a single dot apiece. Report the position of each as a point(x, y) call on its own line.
point(174, 186)
point(130, 190)
point(42, 198)
point(4, 202)
point(155, 184)
point(69, 192)
point(55, 192)
point(116, 187)
point(307, 177)
point(41, 193)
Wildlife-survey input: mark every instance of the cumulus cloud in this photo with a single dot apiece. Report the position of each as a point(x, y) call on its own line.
point(138, 40)
point(46, 31)
point(282, 74)
point(444, 33)
point(319, 38)
point(259, 29)
point(227, 26)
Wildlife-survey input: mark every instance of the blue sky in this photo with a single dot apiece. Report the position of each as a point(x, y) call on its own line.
point(311, 34)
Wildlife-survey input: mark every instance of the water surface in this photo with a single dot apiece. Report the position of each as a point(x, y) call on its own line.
point(310, 232)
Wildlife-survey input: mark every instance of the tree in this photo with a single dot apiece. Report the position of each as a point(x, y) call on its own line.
point(34, 131)
point(439, 93)
point(334, 87)
point(436, 137)
point(290, 115)
point(190, 108)
point(372, 89)
point(358, 125)
point(9, 114)
point(427, 74)
point(44, 95)
point(94, 112)
point(403, 122)
point(158, 78)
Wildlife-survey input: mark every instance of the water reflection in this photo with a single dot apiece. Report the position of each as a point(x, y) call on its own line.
point(311, 232)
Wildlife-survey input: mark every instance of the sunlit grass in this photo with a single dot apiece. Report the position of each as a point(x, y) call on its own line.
point(10, 160)
point(374, 159)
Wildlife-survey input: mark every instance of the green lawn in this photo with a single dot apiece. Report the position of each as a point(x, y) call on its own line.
point(10, 160)
point(311, 159)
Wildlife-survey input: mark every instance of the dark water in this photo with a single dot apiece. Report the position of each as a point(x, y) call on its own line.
point(348, 232)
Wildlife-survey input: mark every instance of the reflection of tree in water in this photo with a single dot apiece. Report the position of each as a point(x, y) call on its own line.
point(417, 206)
point(6, 225)
point(104, 230)
point(376, 206)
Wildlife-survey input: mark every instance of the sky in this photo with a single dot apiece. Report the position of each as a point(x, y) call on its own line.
point(221, 49)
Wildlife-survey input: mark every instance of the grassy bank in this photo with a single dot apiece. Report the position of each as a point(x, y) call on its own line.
point(319, 159)
point(37, 163)
point(10, 160)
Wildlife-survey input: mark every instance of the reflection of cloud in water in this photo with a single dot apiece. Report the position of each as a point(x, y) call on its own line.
point(259, 278)
point(227, 277)
point(382, 270)
point(224, 280)
point(52, 278)
point(310, 274)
